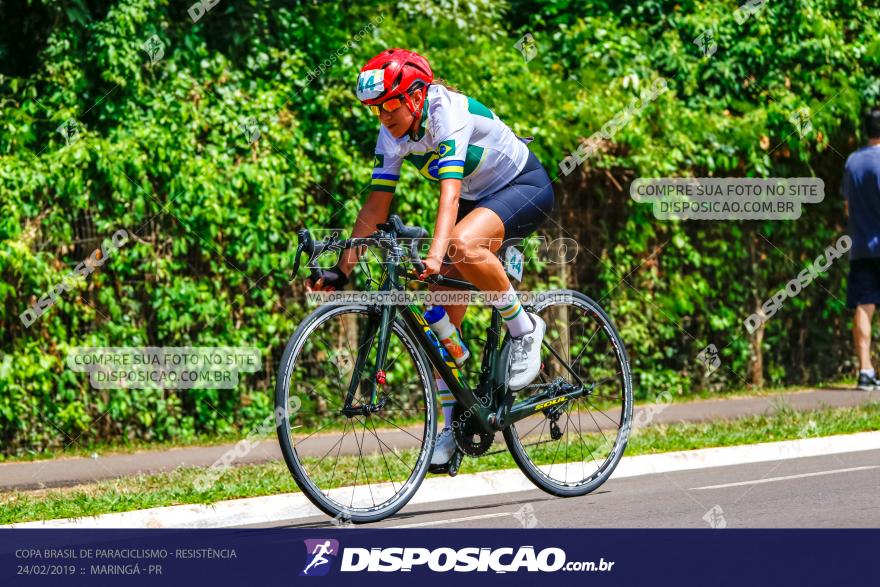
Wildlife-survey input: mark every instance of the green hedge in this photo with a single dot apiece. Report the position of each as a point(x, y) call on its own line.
point(162, 154)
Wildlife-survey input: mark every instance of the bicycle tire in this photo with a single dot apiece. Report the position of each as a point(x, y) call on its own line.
point(514, 444)
point(283, 428)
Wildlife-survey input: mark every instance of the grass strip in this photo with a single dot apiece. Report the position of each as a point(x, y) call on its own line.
point(91, 449)
point(179, 486)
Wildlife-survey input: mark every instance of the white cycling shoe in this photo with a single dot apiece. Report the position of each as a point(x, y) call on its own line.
point(444, 447)
point(525, 355)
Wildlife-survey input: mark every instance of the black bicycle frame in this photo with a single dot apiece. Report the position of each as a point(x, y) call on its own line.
point(496, 410)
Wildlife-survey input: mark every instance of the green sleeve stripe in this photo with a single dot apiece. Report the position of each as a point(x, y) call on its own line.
point(382, 188)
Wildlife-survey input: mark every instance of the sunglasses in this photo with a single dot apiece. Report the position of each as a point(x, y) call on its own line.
point(388, 105)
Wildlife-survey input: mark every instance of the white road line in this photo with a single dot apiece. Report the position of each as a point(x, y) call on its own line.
point(787, 477)
point(454, 520)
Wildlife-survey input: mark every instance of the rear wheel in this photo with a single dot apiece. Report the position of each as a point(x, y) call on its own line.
point(572, 448)
point(354, 463)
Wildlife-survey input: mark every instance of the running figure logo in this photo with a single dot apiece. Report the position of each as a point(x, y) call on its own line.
point(317, 553)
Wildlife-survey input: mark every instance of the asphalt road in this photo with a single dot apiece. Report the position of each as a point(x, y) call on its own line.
point(832, 491)
point(75, 471)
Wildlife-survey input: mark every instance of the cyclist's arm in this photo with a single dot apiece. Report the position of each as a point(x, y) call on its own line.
point(450, 191)
point(373, 212)
point(453, 123)
point(386, 173)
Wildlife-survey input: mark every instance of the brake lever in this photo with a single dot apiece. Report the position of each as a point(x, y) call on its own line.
point(306, 245)
point(300, 235)
point(417, 263)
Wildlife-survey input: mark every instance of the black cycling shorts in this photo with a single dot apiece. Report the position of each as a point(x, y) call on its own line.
point(863, 285)
point(522, 205)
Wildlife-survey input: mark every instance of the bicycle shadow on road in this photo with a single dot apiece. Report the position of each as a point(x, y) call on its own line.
point(401, 518)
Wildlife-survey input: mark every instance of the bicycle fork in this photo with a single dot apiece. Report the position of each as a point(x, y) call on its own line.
point(380, 325)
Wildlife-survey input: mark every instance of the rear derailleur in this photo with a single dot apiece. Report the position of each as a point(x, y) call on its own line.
point(553, 414)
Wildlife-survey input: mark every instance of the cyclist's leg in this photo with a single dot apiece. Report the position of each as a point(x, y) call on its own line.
point(456, 314)
point(511, 213)
point(473, 248)
point(455, 311)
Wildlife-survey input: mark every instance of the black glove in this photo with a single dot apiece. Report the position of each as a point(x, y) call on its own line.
point(333, 277)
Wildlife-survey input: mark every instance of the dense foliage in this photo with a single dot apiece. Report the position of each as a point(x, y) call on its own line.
point(100, 134)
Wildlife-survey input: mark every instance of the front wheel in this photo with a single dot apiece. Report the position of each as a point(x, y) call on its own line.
point(356, 459)
point(572, 448)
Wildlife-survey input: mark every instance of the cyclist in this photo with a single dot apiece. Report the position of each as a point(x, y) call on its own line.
point(492, 190)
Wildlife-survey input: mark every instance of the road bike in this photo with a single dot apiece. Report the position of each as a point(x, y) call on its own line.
point(360, 442)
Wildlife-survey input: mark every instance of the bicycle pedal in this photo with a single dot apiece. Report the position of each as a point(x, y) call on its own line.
point(455, 463)
point(438, 469)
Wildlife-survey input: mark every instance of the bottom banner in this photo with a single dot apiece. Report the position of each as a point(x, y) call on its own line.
point(396, 557)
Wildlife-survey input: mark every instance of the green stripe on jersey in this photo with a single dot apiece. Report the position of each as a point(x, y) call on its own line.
point(478, 109)
point(473, 159)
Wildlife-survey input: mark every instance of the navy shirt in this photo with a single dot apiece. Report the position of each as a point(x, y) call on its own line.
point(861, 188)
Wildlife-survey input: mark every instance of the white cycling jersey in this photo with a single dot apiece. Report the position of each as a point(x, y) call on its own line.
point(459, 138)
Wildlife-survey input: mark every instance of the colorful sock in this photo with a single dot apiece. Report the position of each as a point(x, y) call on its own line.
point(447, 401)
point(516, 319)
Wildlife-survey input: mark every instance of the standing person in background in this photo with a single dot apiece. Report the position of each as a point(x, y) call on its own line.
point(861, 188)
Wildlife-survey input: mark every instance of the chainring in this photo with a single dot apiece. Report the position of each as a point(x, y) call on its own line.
point(469, 435)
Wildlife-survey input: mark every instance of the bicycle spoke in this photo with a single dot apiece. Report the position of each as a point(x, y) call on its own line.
point(339, 442)
point(598, 328)
point(566, 449)
point(390, 449)
point(387, 468)
point(615, 422)
point(356, 469)
point(544, 421)
point(309, 436)
point(609, 378)
point(592, 456)
point(581, 439)
point(336, 462)
point(395, 425)
point(598, 428)
point(367, 475)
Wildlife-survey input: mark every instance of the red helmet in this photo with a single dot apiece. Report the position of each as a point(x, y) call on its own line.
point(391, 73)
